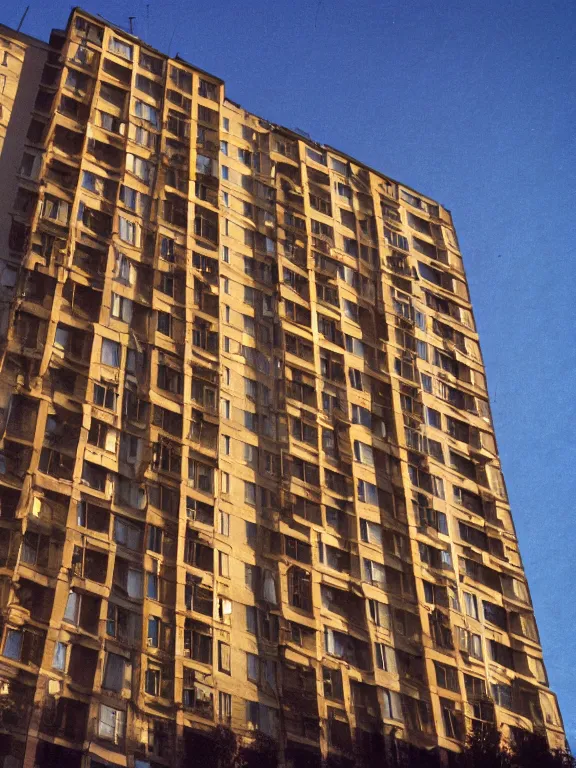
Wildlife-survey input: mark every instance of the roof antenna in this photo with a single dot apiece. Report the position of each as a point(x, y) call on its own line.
point(22, 19)
point(131, 20)
point(172, 38)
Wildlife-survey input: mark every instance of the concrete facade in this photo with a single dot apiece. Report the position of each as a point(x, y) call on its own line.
point(248, 473)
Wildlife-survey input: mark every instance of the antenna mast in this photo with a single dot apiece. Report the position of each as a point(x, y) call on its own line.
point(22, 19)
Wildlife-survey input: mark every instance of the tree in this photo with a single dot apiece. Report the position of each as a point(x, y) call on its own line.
point(225, 747)
point(484, 750)
point(262, 753)
point(532, 751)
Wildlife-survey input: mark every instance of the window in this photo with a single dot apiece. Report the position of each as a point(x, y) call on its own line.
point(105, 396)
point(155, 535)
point(114, 672)
point(362, 416)
point(303, 431)
point(251, 454)
point(201, 476)
point(379, 613)
point(153, 631)
point(250, 493)
point(252, 667)
point(198, 642)
point(251, 533)
point(317, 157)
point(225, 482)
point(396, 240)
point(332, 681)
point(133, 583)
point(127, 534)
point(223, 564)
point(475, 687)
point(445, 362)
point(351, 247)
point(392, 704)
point(426, 382)
point(164, 323)
point(375, 573)
point(151, 63)
point(13, 644)
point(367, 492)
point(120, 48)
point(146, 112)
point(124, 271)
point(355, 378)
point(152, 679)
point(371, 533)
point(495, 614)
point(9, 277)
point(363, 453)
point(502, 695)
point(350, 310)
point(139, 167)
point(59, 658)
point(32, 545)
point(433, 418)
point(344, 190)
point(152, 585)
point(251, 620)
point(224, 523)
point(56, 210)
point(167, 249)
point(422, 349)
point(225, 124)
point(181, 79)
point(111, 724)
point(470, 643)
point(245, 156)
point(127, 230)
point(225, 444)
point(110, 353)
point(453, 724)
point(319, 228)
point(121, 308)
point(144, 138)
point(420, 319)
point(102, 435)
point(208, 90)
point(129, 197)
point(447, 677)
point(339, 166)
point(385, 657)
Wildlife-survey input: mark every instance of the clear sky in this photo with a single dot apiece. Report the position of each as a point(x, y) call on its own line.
point(470, 102)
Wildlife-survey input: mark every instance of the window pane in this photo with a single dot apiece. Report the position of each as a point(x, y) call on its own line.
point(13, 644)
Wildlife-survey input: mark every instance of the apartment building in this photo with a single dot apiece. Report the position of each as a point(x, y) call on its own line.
point(248, 474)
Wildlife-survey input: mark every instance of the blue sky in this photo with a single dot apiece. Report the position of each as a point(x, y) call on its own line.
point(472, 103)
